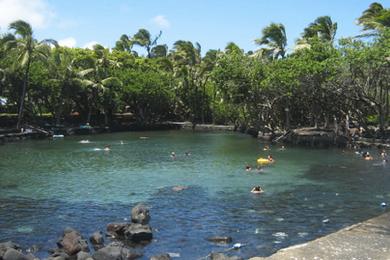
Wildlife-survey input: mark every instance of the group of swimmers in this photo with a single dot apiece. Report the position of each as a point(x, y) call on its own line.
point(173, 155)
point(258, 189)
point(367, 156)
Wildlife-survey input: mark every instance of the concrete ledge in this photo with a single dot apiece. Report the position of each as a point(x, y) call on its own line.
point(366, 240)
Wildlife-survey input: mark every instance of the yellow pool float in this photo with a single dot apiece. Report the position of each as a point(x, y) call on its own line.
point(263, 161)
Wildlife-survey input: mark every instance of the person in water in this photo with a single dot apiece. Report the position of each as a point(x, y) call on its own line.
point(173, 155)
point(270, 158)
point(266, 148)
point(107, 147)
point(187, 153)
point(282, 148)
point(257, 189)
point(248, 168)
point(367, 156)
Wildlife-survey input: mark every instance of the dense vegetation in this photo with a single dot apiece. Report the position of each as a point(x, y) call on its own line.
point(319, 83)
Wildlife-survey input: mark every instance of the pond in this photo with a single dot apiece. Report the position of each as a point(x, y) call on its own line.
point(48, 185)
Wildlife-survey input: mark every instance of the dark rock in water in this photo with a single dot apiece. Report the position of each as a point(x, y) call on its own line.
point(58, 254)
point(97, 240)
point(220, 256)
point(115, 252)
point(218, 239)
point(137, 233)
point(116, 229)
point(83, 256)
point(161, 257)
point(6, 245)
point(140, 214)
point(72, 242)
point(13, 254)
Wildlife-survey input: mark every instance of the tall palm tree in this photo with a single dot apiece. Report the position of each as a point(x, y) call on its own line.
point(275, 39)
point(375, 18)
point(144, 39)
point(323, 28)
point(28, 50)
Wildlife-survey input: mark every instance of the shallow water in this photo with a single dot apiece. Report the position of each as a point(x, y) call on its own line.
point(51, 184)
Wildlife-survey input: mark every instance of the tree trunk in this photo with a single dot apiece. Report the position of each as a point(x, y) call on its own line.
point(22, 97)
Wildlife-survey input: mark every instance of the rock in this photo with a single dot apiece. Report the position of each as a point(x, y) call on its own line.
point(220, 256)
point(72, 242)
point(6, 245)
point(218, 239)
point(179, 188)
point(97, 240)
point(116, 229)
point(140, 214)
point(115, 252)
point(83, 256)
point(58, 254)
point(13, 254)
point(161, 257)
point(137, 233)
point(31, 257)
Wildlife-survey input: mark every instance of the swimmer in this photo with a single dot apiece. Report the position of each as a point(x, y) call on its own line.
point(107, 147)
point(367, 156)
point(187, 153)
point(270, 158)
point(266, 148)
point(248, 168)
point(282, 148)
point(173, 155)
point(257, 190)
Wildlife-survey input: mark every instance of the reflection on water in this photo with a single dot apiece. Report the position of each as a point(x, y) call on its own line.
point(49, 185)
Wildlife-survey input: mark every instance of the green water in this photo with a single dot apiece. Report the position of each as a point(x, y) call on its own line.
point(64, 182)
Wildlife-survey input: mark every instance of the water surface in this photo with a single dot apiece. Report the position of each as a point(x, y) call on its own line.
point(51, 184)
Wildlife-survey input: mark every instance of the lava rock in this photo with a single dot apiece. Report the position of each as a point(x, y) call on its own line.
point(140, 214)
point(220, 239)
point(137, 233)
point(161, 257)
point(115, 252)
point(220, 256)
point(116, 229)
point(72, 242)
point(13, 254)
point(97, 240)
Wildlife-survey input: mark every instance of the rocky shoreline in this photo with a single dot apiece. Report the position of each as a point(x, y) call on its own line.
point(121, 241)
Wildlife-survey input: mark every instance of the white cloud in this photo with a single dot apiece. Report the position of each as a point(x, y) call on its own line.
point(89, 45)
point(68, 42)
point(161, 21)
point(35, 12)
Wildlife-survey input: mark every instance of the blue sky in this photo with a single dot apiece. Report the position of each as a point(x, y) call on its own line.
point(212, 23)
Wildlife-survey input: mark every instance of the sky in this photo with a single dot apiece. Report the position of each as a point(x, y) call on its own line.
point(212, 23)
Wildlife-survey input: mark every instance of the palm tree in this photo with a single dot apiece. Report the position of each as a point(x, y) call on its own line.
point(99, 83)
point(28, 50)
point(160, 50)
point(144, 39)
point(323, 28)
point(274, 37)
point(374, 19)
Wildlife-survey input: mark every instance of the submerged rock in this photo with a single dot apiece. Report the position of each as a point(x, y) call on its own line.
point(220, 239)
point(140, 214)
point(13, 254)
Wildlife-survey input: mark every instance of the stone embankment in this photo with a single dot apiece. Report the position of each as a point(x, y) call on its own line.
point(366, 240)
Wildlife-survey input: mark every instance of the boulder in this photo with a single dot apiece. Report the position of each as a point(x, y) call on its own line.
point(220, 256)
point(220, 239)
point(83, 256)
point(140, 214)
point(13, 254)
point(115, 252)
point(97, 240)
point(58, 254)
point(116, 229)
point(137, 233)
point(6, 245)
point(72, 242)
point(161, 257)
